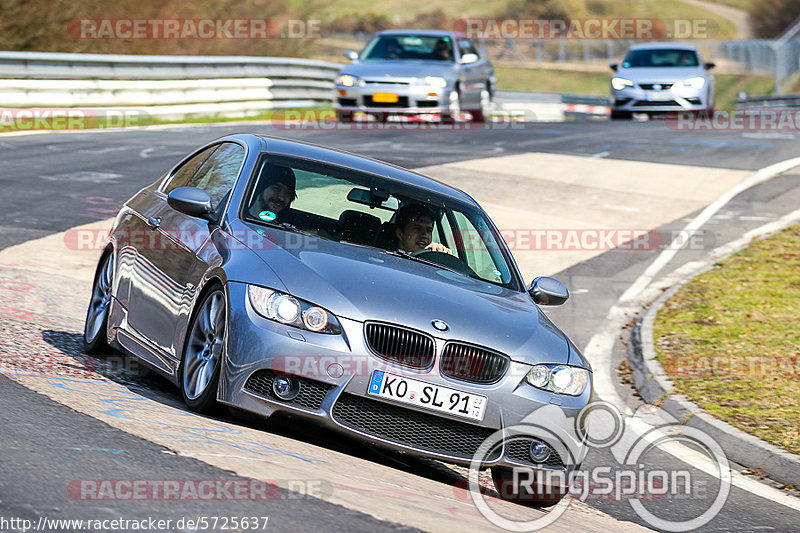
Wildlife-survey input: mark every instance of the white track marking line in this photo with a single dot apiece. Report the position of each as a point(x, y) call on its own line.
point(600, 346)
point(680, 241)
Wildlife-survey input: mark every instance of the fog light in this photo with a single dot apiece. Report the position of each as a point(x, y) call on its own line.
point(286, 388)
point(539, 451)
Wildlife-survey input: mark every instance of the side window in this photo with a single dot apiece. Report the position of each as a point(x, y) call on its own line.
point(477, 255)
point(467, 47)
point(182, 176)
point(218, 173)
point(443, 233)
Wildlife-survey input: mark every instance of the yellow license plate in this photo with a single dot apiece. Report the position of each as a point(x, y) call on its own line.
point(387, 98)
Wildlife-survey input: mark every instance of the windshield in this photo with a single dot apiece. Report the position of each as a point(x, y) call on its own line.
point(353, 208)
point(660, 58)
point(430, 47)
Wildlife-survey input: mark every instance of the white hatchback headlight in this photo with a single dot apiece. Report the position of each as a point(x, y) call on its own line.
point(561, 379)
point(620, 83)
point(696, 83)
point(291, 311)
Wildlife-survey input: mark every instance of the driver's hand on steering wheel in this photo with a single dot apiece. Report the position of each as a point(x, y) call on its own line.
point(437, 247)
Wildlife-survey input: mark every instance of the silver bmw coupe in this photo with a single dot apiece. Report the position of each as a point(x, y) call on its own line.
point(277, 276)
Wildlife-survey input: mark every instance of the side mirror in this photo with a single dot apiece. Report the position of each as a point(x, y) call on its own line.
point(548, 291)
point(469, 58)
point(352, 55)
point(709, 66)
point(613, 66)
point(190, 201)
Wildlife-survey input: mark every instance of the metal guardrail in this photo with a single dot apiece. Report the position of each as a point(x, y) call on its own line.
point(769, 102)
point(165, 86)
point(187, 86)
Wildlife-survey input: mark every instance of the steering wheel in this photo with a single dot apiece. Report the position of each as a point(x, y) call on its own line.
point(446, 260)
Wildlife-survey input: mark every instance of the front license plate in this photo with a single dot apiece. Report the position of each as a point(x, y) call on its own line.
point(658, 96)
point(427, 395)
point(386, 98)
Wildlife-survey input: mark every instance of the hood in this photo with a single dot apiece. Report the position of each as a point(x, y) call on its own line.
point(665, 75)
point(363, 283)
point(394, 68)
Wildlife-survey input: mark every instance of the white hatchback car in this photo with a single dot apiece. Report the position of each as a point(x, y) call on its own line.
point(661, 77)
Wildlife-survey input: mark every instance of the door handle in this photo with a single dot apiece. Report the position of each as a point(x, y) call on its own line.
point(154, 222)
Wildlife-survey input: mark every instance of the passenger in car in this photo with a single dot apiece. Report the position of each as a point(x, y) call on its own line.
point(442, 50)
point(414, 229)
point(277, 192)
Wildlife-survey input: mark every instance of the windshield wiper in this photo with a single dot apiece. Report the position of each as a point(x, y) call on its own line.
point(408, 255)
point(286, 226)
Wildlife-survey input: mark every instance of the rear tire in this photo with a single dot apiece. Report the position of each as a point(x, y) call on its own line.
point(621, 115)
point(95, 330)
point(203, 353)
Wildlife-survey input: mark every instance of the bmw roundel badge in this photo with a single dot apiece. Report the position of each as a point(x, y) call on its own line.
point(441, 325)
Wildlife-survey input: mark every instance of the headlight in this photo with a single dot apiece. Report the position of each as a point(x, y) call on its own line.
point(347, 80)
point(620, 83)
point(696, 83)
point(560, 379)
point(291, 311)
point(435, 81)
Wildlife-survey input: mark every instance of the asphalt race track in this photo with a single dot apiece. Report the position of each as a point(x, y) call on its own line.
point(525, 176)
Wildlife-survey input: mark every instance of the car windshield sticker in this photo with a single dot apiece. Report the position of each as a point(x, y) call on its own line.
point(267, 216)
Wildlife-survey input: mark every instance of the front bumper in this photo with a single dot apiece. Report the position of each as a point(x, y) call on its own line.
point(334, 373)
point(636, 99)
point(411, 99)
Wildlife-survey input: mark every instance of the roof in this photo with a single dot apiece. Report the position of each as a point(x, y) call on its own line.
point(420, 32)
point(292, 147)
point(658, 45)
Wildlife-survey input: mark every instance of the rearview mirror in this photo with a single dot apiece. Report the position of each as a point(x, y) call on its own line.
point(352, 55)
point(613, 66)
point(548, 291)
point(709, 66)
point(469, 58)
point(190, 201)
point(375, 197)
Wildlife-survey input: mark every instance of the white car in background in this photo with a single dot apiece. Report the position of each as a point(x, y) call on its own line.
point(661, 77)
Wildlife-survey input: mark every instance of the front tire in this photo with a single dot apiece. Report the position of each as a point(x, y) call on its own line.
point(503, 479)
point(484, 112)
point(621, 115)
point(203, 353)
point(95, 330)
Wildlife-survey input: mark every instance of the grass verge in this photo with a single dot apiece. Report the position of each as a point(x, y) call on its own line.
point(583, 82)
point(730, 339)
